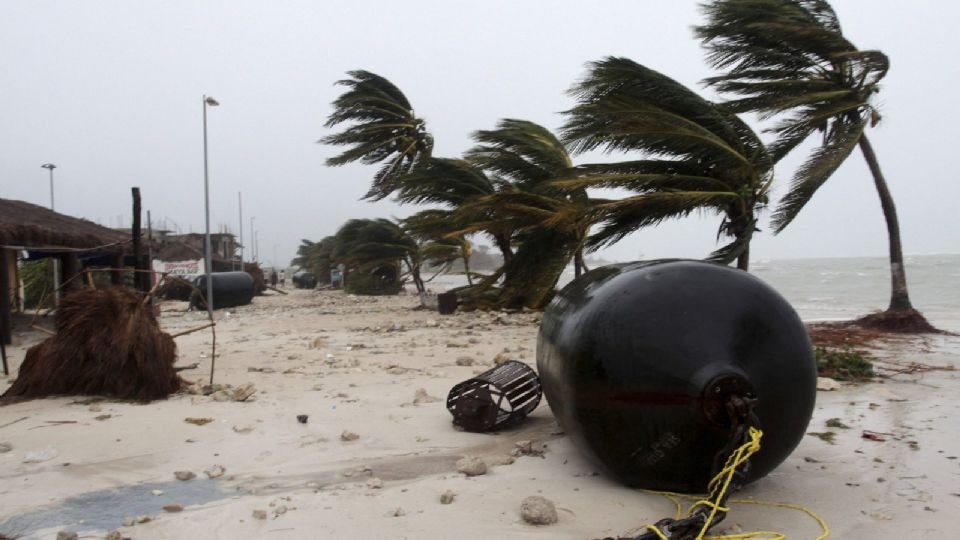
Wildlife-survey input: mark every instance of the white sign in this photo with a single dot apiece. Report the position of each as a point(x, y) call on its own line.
point(184, 269)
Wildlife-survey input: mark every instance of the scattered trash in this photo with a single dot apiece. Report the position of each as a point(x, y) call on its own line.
point(244, 392)
point(826, 384)
point(836, 423)
point(302, 418)
point(184, 475)
point(399, 512)
point(497, 398)
point(197, 421)
point(465, 361)
point(447, 497)
point(259, 514)
point(537, 510)
point(826, 436)
point(243, 428)
point(175, 507)
point(873, 436)
point(374, 483)
point(421, 396)
point(157, 492)
point(348, 436)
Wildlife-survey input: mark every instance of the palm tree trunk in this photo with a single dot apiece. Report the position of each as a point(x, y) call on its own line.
point(899, 298)
point(466, 269)
point(743, 261)
point(578, 266)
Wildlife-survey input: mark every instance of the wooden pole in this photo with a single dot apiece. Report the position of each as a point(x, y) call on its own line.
point(139, 279)
point(5, 312)
point(192, 330)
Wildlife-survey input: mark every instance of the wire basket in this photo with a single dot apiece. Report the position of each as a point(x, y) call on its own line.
point(497, 398)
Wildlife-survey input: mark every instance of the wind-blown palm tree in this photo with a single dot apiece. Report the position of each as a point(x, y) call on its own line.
point(384, 130)
point(790, 57)
point(378, 247)
point(698, 155)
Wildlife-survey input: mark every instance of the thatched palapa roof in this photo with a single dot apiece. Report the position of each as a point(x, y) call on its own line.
point(26, 225)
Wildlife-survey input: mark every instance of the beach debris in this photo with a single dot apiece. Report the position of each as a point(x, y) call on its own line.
point(501, 358)
point(302, 418)
point(374, 483)
point(398, 512)
point(525, 448)
point(259, 514)
point(197, 421)
point(873, 436)
point(465, 361)
point(244, 392)
point(348, 436)
point(41, 455)
point(102, 417)
point(836, 423)
point(825, 436)
point(113, 535)
point(107, 343)
point(157, 492)
point(280, 510)
point(447, 497)
point(243, 428)
point(95, 408)
point(499, 397)
point(173, 507)
point(888, 394)
point(222, 396)
point(421, 396)
point(471, 466)
point(826, 384)
point(144, 519)
point(537, 510)
point(184, 475)
point(5, 447)
point(129, 521)
point(216, 471)
point(67, 535)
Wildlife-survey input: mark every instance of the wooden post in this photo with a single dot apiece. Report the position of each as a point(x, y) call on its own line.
point(141, 280)
point(116, 275)
point(69, 268)
point(5, 316)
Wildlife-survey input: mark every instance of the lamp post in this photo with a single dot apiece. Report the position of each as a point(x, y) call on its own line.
point(240, 207)
point(56, 263)
point(208, 262)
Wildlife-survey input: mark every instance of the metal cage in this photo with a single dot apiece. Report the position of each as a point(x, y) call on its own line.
point(495, 399)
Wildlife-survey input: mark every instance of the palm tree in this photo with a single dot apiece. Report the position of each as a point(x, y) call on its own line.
point(379, 248)
point(384, 130)
point(699, 156)
point(440, 244)
point(790, 57)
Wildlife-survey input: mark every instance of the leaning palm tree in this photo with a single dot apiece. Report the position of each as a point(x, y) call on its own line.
point(384, 130)
point(790, 57)
point(697, 156)
point(378, 249)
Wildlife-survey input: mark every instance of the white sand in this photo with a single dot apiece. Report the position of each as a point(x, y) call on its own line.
point(871, 490)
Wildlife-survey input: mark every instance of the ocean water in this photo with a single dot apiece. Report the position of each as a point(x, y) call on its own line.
point(844, 288)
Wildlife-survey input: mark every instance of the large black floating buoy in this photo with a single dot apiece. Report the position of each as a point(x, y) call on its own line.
point(633, 356)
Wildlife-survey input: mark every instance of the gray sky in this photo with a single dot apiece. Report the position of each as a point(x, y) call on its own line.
point(110, 92)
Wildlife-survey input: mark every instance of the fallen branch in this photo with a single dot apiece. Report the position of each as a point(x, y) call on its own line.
point(44, 330)
point(276, 289)
point(192, 330)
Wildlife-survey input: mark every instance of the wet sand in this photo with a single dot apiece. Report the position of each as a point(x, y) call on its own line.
point(356, 363)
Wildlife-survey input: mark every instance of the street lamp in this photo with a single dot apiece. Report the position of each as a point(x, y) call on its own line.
point(208, 262)
point(56, 264)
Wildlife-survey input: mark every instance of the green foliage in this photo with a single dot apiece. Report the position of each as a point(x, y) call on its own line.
point(37, 283)
point(379, 281)
point(790, 57)
point(384, 129)
point(698, 156)
point(843, 365)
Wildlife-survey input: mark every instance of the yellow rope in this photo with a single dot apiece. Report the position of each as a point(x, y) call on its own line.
point(717, 489)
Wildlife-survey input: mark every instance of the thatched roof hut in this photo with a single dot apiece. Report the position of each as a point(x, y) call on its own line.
point(24, 226)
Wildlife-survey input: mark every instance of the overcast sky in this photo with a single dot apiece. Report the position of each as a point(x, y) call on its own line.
point(111, 93)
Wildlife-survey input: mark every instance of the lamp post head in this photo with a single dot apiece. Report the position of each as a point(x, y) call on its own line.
point(211, 102)
point(50, 166)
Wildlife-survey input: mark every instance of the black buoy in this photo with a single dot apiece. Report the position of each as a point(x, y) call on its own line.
point(636, 361)
point(230, 289)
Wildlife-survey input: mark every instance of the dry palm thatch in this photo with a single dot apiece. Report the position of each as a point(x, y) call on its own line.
point(108, 343)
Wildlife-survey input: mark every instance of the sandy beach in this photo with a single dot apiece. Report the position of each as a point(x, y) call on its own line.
point(355, 364)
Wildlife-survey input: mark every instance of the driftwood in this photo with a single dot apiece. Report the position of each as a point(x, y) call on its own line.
point(192, 330)
point(276, 290)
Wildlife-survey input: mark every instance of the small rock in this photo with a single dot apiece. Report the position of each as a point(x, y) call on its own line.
point(374, 483)
point(501, 358)
point(243, 428)
point(129, 522)
point(222, 396)
point(244, 391)
point(184, 475)
point(421, 396)
point(431, 323)
point(157, 492)
point(102, 417)
point(175, 507)
point(447, 497)
point(95, 408)
point(144, 519)
point(538, 510)
point(67, 535)
point(348, 436)
point(280, 510)
point(471, 466)
point(5, 447)
point(399, 512)
point(827, 384)
point(113, 535)
point(215, 472)
point(465, 361)
point(259, 514)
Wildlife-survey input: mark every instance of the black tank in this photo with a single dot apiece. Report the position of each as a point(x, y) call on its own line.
point(229, 289)
point(626, 354)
